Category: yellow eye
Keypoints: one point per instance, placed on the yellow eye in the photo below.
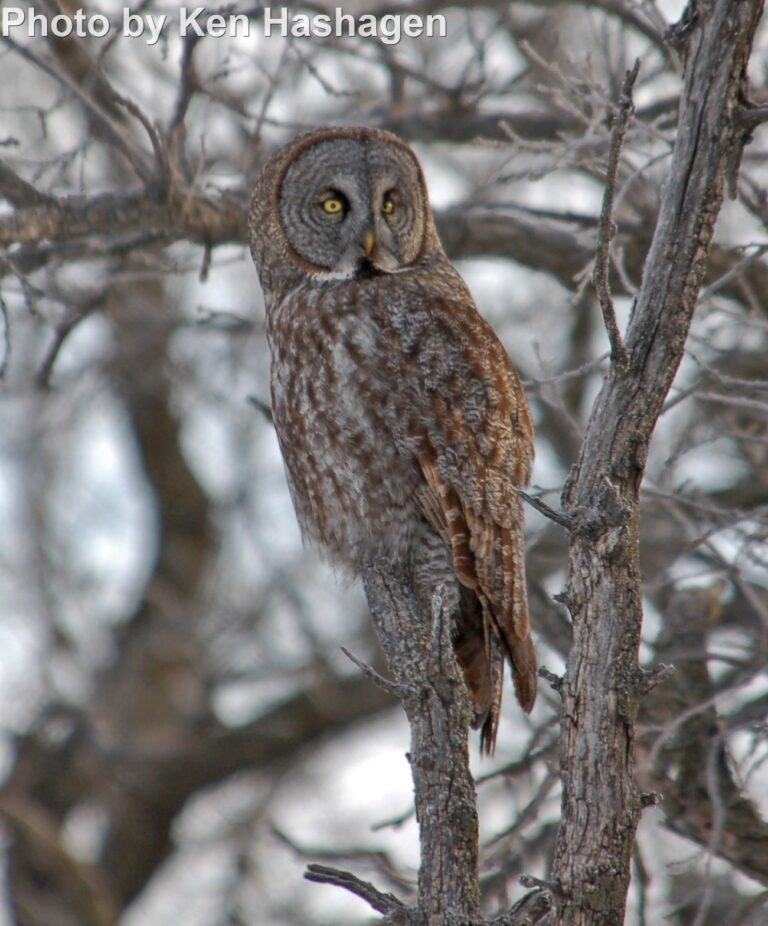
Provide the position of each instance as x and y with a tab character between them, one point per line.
333	205
388	206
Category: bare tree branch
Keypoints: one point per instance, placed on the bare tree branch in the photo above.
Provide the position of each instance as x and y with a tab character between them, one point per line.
607	229
420	653
387	904
118	727
592	860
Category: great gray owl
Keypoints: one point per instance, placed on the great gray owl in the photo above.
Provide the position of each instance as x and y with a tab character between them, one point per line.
402	422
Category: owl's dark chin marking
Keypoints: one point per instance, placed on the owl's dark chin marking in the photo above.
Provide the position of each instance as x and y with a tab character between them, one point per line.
366	269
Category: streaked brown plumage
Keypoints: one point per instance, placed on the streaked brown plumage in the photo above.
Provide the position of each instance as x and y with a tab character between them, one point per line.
403	424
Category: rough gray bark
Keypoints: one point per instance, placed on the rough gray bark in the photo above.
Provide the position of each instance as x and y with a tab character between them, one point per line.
169	193
603	684
72	227
429	684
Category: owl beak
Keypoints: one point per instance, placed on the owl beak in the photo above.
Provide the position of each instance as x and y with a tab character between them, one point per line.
369	242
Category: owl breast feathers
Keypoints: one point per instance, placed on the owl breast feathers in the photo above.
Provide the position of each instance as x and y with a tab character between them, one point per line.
402	422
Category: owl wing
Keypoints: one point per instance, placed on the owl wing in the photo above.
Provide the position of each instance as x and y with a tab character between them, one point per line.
488	557
474	451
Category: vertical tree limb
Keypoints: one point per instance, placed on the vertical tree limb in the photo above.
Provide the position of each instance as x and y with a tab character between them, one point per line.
607	228
421	656
428	682
603	684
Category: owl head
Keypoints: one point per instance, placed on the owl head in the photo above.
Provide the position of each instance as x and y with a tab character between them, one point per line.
338	204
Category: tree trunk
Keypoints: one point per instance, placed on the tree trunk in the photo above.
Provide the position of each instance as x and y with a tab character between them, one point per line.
421	656
604	684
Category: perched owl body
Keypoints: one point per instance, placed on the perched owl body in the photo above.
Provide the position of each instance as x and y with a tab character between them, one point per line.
402	423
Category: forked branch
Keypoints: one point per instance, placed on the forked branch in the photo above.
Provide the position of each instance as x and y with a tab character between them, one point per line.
607	227
603	684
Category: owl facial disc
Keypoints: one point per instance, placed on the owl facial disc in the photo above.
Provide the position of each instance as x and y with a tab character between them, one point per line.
352	207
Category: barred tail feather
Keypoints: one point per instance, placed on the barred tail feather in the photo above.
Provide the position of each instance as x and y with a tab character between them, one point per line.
524	672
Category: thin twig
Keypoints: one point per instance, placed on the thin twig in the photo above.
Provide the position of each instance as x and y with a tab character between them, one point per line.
370	673
394	822
63	331
382	903
576	373
188	83
264	407
555	681
521	766
527	815
558	517
20	193
110	129
157	145
357	855
607	228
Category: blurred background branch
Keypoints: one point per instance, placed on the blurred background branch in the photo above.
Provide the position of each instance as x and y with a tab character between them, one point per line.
172	677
